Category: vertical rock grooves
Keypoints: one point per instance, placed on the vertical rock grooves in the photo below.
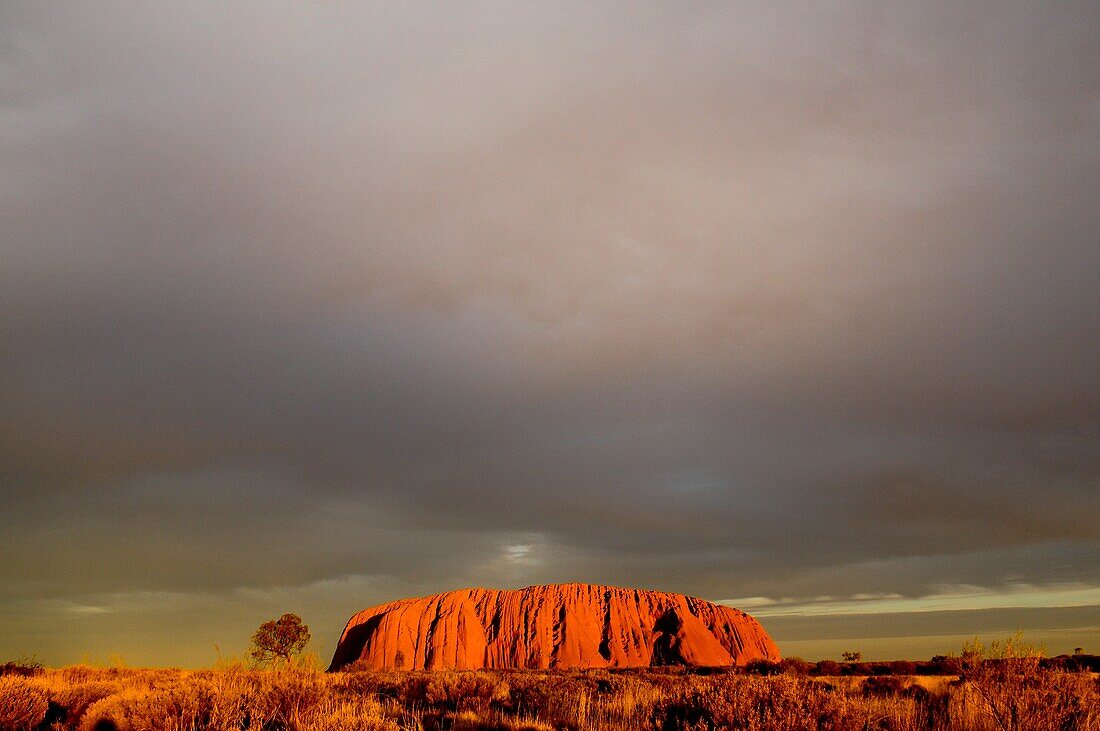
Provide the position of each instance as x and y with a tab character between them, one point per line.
551	626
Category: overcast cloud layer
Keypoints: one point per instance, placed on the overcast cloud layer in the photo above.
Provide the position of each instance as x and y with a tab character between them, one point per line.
307	307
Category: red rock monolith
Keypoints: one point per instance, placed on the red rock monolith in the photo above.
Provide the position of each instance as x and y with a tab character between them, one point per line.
554	626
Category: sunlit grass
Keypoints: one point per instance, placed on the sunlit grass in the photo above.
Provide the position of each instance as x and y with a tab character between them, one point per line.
1001	689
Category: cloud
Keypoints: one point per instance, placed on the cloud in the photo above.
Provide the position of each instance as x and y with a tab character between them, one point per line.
945	598
775	302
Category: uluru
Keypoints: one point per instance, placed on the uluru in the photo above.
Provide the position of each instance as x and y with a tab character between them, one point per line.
551	626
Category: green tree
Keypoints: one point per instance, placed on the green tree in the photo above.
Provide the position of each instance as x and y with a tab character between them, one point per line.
279	639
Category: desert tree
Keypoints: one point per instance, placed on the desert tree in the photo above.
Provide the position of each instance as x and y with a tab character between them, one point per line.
279	639
851	656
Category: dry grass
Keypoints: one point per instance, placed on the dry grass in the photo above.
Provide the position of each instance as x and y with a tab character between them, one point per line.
987	697
22	705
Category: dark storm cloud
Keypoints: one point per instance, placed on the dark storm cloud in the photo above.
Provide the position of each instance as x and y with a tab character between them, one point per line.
736	301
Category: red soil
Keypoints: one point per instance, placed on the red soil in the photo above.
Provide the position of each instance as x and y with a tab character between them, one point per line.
556	626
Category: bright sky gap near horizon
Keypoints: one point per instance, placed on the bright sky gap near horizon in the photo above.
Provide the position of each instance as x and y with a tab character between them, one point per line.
307	307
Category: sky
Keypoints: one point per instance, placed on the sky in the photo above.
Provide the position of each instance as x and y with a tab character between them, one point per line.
309	306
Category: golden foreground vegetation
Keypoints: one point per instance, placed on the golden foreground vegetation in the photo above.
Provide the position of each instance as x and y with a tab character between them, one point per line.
1017	693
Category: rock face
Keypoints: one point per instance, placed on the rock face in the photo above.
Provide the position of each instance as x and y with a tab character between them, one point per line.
556	626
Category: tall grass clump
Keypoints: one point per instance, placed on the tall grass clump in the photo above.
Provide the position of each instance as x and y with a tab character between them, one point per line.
23	705
1006	687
